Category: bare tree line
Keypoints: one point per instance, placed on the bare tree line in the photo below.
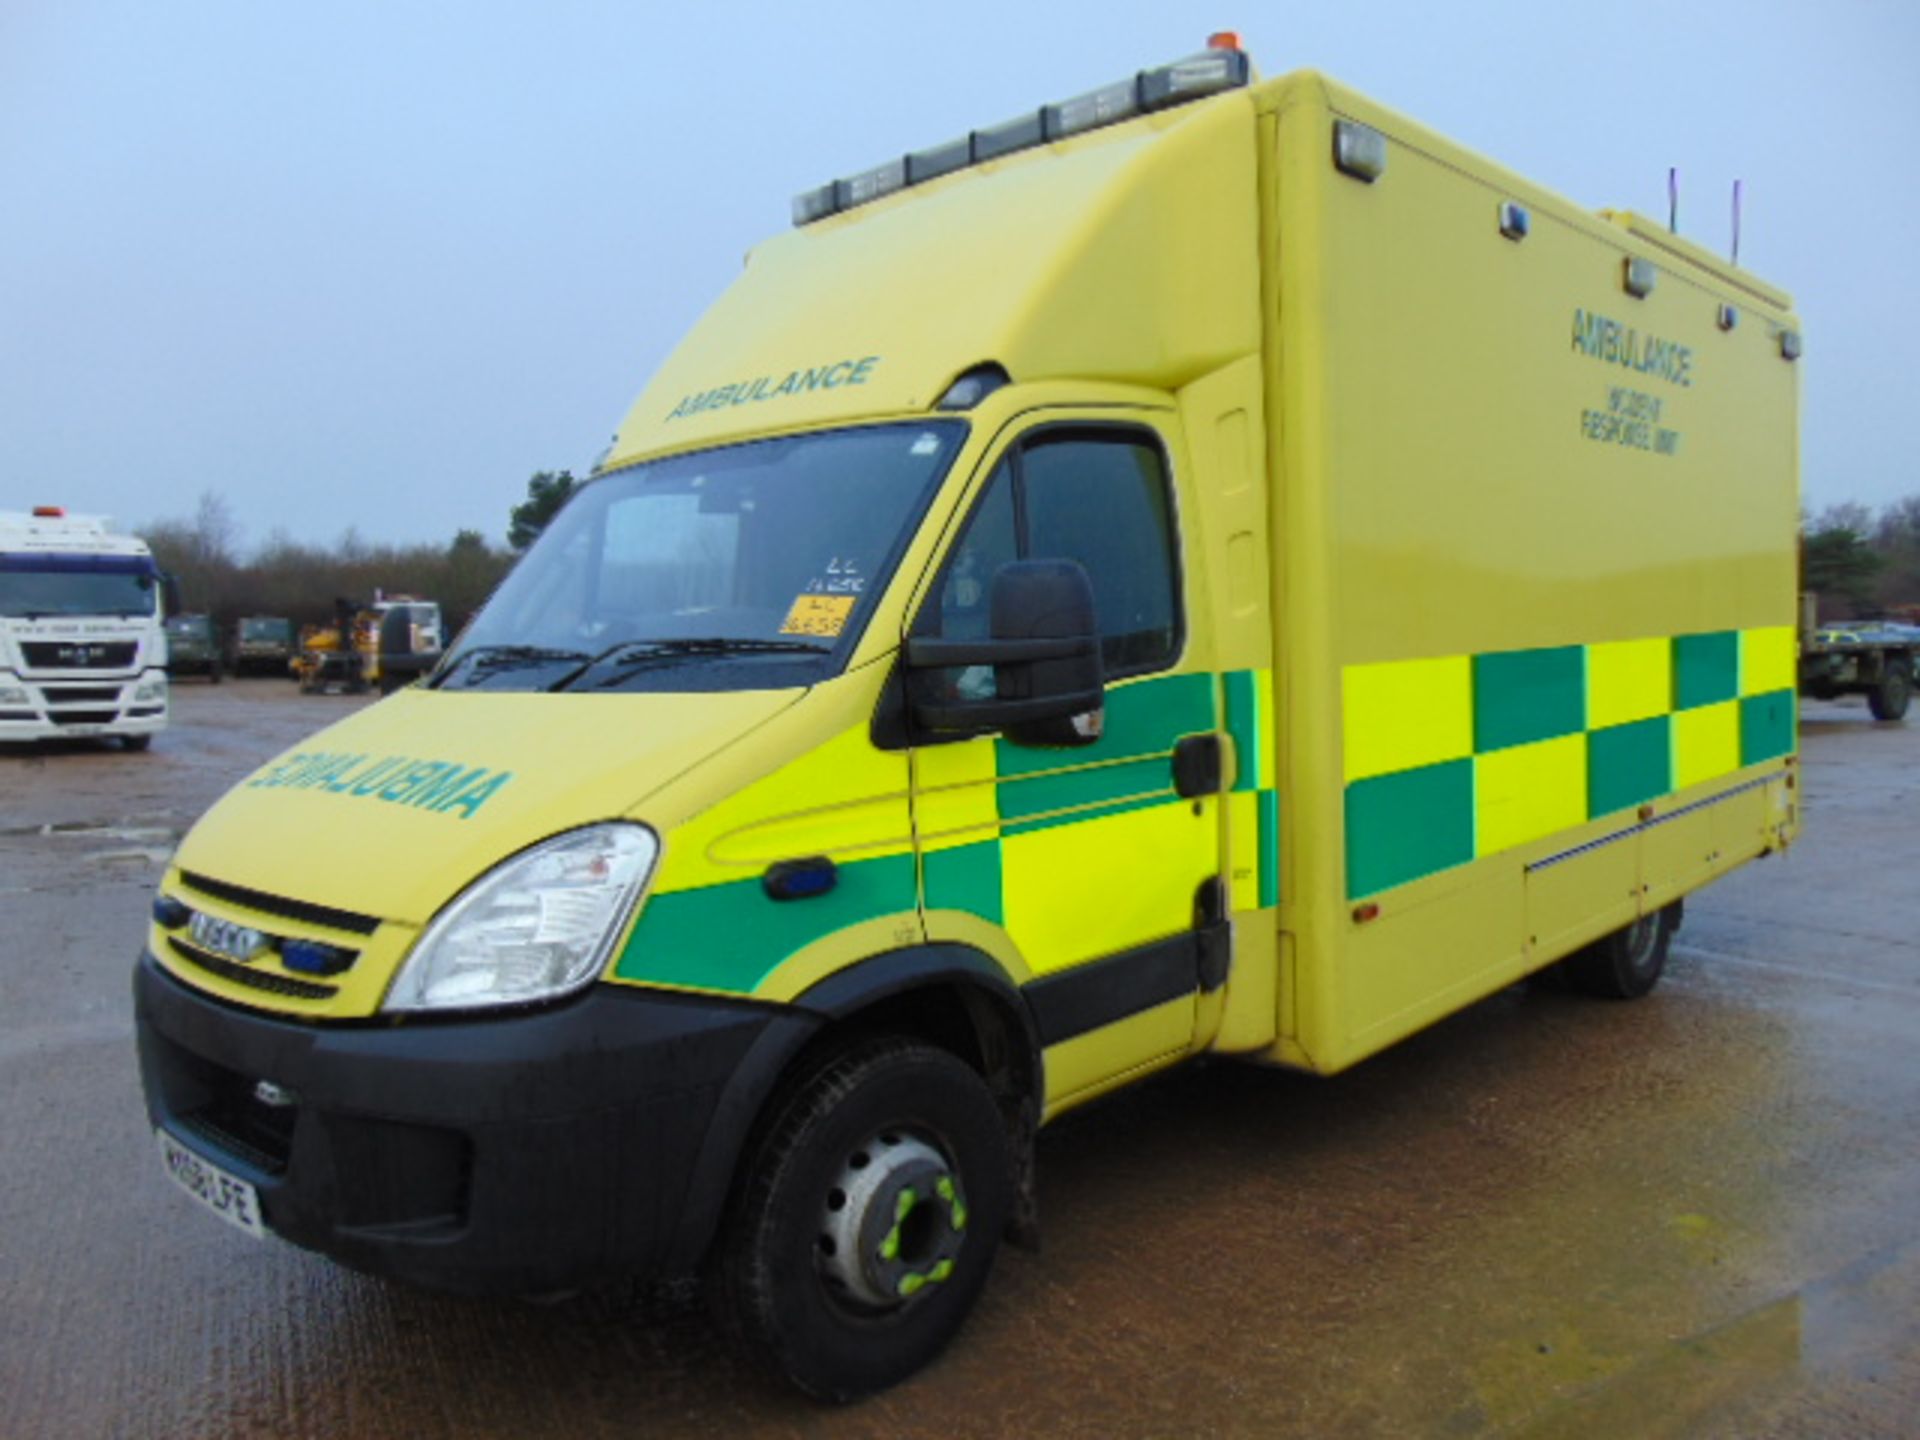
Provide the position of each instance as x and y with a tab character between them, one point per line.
301	579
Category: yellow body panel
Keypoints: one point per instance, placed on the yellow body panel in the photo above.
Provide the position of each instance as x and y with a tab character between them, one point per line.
1523	793
1628	680
1402	714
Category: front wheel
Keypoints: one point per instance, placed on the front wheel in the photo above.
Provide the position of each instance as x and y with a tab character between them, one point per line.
867	1219
1628	963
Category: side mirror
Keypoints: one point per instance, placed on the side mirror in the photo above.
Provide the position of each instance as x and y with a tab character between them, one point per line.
170	603
1048	685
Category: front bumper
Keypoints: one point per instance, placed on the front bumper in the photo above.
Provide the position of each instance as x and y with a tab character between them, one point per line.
80	704
514	1154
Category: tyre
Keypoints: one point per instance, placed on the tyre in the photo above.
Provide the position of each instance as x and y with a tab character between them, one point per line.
1888	700
1626	964
136	742
866	1219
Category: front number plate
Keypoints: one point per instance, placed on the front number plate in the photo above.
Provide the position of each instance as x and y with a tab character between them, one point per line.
228	1196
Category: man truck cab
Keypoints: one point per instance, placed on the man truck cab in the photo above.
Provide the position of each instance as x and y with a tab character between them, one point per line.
82	651
1141	580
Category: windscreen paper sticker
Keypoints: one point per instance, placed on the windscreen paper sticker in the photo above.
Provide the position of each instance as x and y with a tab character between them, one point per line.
822	615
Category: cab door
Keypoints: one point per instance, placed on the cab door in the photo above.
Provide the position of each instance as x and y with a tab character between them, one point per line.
1091	871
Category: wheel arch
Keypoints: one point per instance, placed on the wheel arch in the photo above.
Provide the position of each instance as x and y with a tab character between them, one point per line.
951	996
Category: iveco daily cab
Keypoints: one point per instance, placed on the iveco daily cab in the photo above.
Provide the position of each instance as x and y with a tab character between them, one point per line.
1203	567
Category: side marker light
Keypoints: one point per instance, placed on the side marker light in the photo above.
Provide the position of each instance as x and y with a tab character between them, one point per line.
1359	150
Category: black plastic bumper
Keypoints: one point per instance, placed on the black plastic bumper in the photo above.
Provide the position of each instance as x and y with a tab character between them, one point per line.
516	1154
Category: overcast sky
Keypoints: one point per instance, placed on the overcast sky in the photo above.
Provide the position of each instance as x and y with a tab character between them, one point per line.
373	262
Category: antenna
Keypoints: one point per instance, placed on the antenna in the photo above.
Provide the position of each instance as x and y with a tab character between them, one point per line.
1736	223
1673	199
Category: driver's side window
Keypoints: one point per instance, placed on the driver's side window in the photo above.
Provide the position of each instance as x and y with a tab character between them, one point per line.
1097	496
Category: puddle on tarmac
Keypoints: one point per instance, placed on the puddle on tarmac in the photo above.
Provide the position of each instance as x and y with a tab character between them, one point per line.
1850	1328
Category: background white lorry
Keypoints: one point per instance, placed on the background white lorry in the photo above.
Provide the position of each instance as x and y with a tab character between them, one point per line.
82	651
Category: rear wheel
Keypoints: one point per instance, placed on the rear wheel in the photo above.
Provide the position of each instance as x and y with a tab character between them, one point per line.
1628	963
1888	700
867	1219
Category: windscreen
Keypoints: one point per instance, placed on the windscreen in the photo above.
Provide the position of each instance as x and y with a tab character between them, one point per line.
34	587
744	567
266	629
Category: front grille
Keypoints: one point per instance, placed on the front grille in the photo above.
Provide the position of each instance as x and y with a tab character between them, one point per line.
220	1139
82	717
219	1107
76	655
279	905
265	980
79	694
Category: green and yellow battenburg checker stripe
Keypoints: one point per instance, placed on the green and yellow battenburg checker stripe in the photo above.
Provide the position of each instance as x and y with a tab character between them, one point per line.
1253	804
1002	824
996	823
1452	759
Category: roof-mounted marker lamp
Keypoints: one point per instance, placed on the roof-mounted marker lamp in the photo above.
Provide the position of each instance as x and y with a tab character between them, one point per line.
1359	150
1789	344
1727	317
1514	220
1223	65
1637	277
972	386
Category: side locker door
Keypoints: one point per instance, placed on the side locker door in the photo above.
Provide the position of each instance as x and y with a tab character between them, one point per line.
1084	868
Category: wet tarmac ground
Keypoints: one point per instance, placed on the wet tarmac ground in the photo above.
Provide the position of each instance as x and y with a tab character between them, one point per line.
1698	1214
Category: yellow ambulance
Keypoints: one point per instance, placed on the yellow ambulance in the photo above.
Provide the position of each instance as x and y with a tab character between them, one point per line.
1207	566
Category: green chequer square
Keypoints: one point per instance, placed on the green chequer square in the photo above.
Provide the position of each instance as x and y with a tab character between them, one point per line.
967	878
1766	726
1403	826
1628	765
1520	696
1706	669
1243	720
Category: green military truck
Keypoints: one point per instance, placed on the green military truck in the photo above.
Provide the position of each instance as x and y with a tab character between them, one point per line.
1877	659
263	645
193	647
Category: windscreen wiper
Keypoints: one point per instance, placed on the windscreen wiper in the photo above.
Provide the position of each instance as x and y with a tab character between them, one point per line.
487	658
634	656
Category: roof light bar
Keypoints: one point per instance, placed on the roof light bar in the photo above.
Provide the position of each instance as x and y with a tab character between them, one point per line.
1108	105
938	160
1022	133
1223	67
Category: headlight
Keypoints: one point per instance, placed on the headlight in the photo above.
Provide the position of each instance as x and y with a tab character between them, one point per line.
149	691
14	694
532	928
